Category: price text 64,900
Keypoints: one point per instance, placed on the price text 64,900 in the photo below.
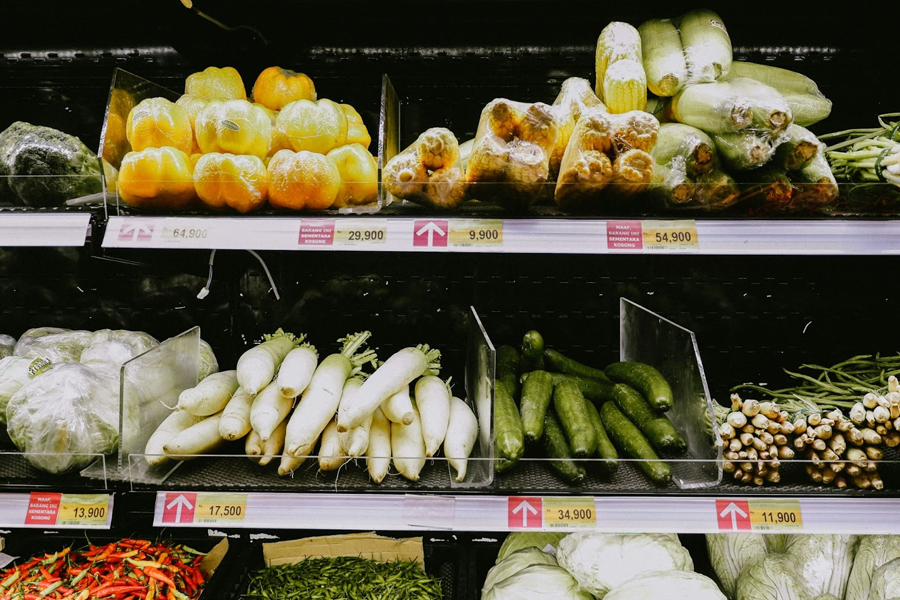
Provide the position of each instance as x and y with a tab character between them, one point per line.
190	234
673	237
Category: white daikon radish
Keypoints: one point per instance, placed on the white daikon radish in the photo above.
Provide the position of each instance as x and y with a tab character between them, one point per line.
462	432
235	421
355	441
268	410
297	370
398	407
175	423
378	454
331	455
210	395
433	402
253	446
397	372
408	447
256	367
200	438
289	464
323	396
273	446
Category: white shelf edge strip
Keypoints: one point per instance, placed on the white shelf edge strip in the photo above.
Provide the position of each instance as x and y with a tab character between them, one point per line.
41	510
43	229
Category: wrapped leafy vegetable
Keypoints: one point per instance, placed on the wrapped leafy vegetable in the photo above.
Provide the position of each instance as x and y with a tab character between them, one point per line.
64	415
731	553
695	148
115	347
772	577
873	552
667	584
886	581
824	561
13	377
517	540
601	562
209	364
515	562
53	344
7	343
538	582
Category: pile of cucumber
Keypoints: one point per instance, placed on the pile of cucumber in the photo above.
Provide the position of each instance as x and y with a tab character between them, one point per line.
545	400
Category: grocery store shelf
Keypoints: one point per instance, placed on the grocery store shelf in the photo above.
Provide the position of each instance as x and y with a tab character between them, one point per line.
56	510
44	229
409	512
507	235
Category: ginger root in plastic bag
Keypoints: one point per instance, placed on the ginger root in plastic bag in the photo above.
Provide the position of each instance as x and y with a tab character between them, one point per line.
428	172
510	159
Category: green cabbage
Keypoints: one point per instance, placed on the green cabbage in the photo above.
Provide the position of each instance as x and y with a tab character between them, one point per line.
824	561
873	551
115	347
730	553
538	582
662	585
602	561
518	540
772	577
515	562
209	364
7	343
53	344
13	377
886	581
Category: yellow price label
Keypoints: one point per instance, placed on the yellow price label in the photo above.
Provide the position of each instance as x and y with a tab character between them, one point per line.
568	513
83	510
476	232
219	508
766	515
670	235
367	232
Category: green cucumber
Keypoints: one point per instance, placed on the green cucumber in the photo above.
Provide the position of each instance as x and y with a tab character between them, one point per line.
508	368
645	379
629	439
571	409
537	390
563	364
593	389
557	448
509	439
658	429
532	351
605	448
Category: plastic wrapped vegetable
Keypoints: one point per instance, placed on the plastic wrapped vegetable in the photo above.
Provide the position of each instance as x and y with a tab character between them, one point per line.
40	166
772	577
696	149
515	562
667	584
815	185
52	344
808	104
7	343
824	561
706	45
886	581
601	562
115	347
64	415
798	149
538	582
209	364
429	171
518	540
510	160
744	150
574	97
873	552
729	554
664	62
14	375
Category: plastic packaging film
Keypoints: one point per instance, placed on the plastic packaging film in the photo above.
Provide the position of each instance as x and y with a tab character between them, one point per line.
429	171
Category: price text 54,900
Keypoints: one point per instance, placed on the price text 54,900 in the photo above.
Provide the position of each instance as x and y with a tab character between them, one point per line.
673	237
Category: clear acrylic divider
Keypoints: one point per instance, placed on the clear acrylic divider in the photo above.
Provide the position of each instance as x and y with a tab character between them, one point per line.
23	470
649	338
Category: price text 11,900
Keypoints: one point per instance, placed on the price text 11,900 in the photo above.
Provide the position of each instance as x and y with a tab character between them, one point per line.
777	517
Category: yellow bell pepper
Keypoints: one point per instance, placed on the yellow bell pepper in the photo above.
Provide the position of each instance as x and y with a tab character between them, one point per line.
275	88
231	180
356	129
158	122
314	126
192	105
359	175
303	180
234	126
156	178
216	84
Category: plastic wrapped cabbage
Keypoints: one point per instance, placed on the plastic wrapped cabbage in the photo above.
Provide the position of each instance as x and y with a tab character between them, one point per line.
7	343
115	347
731	553
824	561
71	409
53	344
538	582
772	577
600	562
873	552
544	540
515	562
886	581
209	364
667	584
13	377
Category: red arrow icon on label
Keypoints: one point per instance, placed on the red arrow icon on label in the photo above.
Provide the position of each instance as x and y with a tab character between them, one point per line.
179	508
430	233
524	512
136	231
733	515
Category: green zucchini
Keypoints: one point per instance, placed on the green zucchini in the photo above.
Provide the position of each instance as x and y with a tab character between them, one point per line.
645	379
509	439
563	364
596	390
537	391
508	368
658	429
605	448
557	448
629	439
532	351
571	408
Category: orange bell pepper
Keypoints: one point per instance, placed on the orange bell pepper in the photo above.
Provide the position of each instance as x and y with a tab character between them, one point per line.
158	122
275	87
156	178
356	129
216	84
303	180
235	181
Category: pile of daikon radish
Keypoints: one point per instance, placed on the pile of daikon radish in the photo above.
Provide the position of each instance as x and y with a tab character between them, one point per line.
284	401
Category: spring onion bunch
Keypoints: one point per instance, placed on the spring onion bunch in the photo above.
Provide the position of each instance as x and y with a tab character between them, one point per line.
867	155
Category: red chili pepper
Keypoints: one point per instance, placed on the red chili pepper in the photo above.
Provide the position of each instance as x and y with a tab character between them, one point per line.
159	576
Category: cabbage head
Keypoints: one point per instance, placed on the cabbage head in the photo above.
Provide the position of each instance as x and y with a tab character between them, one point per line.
515	562
824	561
7	343
872	552
538	582
68	412
522	539
662	585
115	347
209	364
602	561
53	344
886	581
730	553
772	577
13	377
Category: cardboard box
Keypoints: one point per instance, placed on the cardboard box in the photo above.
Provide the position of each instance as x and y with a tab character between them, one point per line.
365	545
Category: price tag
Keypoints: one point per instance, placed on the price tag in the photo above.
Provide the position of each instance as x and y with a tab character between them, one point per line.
568	513
670	235
83	510
775	515
360	232
476	232
175	233
220	508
